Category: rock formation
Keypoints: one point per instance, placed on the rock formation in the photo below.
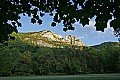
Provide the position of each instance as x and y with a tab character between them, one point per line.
51	39
73	40
50	35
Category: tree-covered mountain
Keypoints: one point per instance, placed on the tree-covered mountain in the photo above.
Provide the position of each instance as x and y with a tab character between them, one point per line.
21	57
106	44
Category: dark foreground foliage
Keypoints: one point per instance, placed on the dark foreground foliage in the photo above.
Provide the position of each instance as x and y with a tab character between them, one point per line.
67	12
20	58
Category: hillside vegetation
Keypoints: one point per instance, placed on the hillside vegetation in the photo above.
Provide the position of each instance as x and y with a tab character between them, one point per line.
49	39
106	44
22	57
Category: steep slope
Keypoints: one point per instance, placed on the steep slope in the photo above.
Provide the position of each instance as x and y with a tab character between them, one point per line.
49	39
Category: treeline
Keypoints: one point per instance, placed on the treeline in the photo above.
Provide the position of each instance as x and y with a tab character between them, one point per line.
20	58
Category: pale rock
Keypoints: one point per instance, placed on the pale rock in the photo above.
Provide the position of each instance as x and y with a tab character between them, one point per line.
73	40
50	35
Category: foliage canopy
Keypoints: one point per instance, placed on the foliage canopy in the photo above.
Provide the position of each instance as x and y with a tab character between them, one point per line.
66	11
23	59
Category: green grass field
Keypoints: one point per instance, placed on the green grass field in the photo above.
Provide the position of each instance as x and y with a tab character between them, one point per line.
67	77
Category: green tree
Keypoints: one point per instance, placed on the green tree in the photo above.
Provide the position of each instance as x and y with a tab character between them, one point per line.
113	62
23	67
93	61
109	59
43	61
8	60
66	11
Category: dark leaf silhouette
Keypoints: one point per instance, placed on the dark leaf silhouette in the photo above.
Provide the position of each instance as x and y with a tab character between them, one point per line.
39	21
66	11
33	20
53	24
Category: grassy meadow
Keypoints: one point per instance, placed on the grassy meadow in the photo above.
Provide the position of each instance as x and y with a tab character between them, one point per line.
67	77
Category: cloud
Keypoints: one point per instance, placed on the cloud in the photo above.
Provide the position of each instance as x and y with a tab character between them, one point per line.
90	36
91	29
81	37
92	23
108	32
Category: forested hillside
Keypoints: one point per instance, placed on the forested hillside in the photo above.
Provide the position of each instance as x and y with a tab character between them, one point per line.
23	58
106	44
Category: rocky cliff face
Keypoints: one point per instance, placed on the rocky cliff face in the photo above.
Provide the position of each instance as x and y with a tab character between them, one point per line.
50	35
73	40
51	39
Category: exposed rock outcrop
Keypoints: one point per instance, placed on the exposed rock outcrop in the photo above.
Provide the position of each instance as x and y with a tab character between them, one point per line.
50	35
73	40
51	39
